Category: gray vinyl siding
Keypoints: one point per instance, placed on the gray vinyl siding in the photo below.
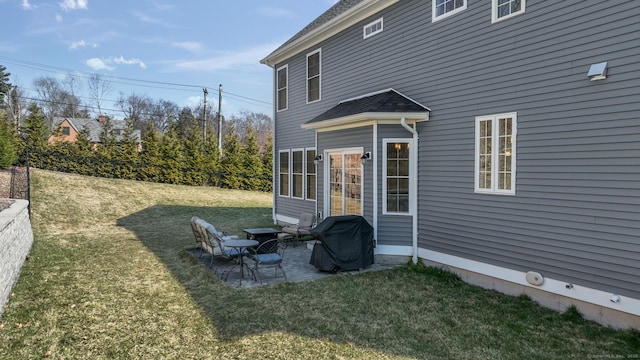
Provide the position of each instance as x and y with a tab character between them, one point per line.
348	138
575	216
575	213
392	229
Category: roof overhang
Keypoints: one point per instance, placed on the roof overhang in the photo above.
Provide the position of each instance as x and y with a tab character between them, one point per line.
364	119
386	106
332	27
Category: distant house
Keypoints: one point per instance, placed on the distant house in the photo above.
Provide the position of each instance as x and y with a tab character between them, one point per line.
69	128
499	139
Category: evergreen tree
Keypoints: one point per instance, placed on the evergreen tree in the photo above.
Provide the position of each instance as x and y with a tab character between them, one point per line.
107	151
8	153
231	161
83	153
172	155
150	158
267	165
5	86
126	152
194	165
36	135
251	163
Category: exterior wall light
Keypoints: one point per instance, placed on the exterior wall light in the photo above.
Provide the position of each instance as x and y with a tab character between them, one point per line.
366	156
598	71
317	159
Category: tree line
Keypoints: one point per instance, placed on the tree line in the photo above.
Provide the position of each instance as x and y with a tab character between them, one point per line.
169	151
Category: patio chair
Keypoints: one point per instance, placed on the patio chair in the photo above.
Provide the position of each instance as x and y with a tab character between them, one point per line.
218	239
202	238
269	254
302	228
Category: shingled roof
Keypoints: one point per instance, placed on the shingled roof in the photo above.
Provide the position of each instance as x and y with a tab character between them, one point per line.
337	9
384	102
344	13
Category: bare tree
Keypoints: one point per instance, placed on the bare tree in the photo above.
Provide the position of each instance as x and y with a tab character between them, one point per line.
72	87
99	89
55	100
135	108
162	113
16	106
262	124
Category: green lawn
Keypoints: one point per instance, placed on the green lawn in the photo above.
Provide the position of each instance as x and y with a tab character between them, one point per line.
108	277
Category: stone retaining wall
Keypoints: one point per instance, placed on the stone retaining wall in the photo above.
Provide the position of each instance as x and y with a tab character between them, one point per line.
16	238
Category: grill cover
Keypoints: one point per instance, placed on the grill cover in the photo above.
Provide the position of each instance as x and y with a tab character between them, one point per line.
345	243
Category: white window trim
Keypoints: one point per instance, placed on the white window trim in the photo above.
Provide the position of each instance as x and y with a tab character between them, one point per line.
288	174
319	52
435	18
364	28
495	154
303	174
494	12
384	176
306	174
278	89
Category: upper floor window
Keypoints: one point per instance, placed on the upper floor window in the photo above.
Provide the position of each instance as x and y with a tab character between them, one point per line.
66	131
313	76
372	29
397	170
496	154
282	80
504	9
445	8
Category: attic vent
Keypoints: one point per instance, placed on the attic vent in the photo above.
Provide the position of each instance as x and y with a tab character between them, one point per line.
372	28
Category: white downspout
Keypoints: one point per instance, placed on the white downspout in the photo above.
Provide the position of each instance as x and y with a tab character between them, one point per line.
414	185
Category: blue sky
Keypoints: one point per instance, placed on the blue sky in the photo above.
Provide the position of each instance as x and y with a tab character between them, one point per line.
144	45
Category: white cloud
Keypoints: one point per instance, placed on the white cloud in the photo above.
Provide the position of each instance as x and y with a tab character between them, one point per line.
68	5
121	60
25	5
107	64
275	12
81	44
188	45
99	64
58	18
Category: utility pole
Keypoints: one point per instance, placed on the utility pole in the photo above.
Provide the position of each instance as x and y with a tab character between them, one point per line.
220	119
204	117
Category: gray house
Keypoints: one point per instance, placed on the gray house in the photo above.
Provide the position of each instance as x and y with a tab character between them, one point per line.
499	139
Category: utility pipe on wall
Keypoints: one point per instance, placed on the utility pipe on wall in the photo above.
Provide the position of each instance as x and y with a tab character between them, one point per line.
414	185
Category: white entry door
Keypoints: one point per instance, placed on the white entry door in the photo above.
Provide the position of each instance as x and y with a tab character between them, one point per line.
344	190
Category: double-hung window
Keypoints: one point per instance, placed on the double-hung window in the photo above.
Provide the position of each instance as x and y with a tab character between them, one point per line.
504	9
313	75
495	162
284	173
397	176
66	131
445	8
297	174
311	174
282	91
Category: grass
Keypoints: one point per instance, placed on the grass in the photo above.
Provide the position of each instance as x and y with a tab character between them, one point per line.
108	277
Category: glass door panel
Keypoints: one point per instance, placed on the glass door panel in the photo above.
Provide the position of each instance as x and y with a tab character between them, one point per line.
345	184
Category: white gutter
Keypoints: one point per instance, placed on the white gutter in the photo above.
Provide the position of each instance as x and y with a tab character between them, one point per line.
414	185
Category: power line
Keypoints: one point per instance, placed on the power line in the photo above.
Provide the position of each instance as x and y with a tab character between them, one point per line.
125	80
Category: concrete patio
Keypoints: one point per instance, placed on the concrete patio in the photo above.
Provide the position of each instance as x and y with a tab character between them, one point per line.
295	263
